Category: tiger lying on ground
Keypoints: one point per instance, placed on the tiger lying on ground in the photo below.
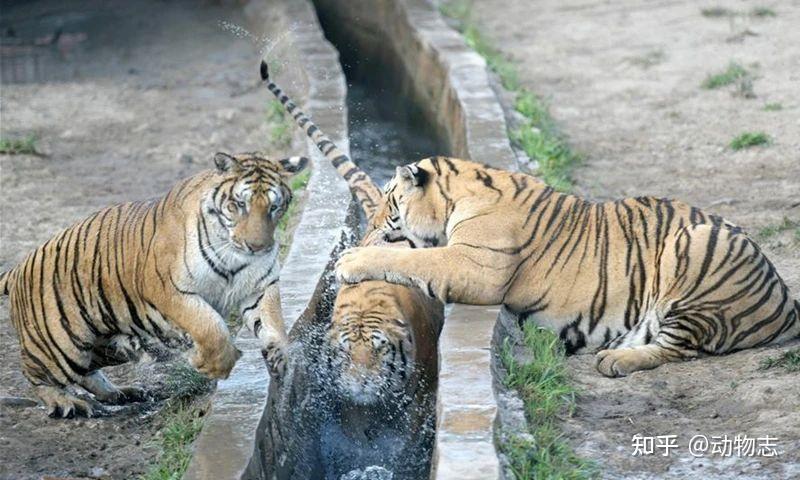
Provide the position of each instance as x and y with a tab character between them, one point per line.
382	336
647	280
153	269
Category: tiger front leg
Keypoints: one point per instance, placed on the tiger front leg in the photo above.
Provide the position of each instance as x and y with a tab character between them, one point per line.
456	273
215	353
264	318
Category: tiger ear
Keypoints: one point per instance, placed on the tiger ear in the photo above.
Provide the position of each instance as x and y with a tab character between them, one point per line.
293	164
224	162
412	175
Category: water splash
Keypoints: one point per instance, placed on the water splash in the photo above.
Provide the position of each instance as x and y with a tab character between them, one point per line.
264	43
370	473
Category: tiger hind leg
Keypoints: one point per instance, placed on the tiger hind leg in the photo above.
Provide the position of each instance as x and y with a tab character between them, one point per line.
673	343
105	391
61	404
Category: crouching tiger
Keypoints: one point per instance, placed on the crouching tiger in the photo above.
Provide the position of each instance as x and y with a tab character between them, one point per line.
646	280
154	269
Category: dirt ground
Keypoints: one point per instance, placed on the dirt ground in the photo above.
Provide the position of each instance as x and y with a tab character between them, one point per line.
147	91
623	81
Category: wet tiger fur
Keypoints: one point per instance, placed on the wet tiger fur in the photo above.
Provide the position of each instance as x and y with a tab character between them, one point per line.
646	280
382	337
154	269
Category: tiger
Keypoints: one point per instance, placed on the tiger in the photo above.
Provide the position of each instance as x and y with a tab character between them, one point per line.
160	269
382	338
643	280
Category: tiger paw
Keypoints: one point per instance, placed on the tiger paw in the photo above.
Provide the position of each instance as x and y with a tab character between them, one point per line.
217	364
356	265
619	362
276	359
60	404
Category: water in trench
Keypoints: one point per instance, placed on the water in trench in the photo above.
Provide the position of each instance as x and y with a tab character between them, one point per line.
386	129
315	431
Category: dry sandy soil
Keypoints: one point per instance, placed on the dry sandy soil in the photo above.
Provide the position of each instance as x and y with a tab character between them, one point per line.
623	81
144	99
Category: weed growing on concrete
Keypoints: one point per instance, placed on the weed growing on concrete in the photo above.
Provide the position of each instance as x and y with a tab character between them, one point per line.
546	390
18	146
538	136
749	139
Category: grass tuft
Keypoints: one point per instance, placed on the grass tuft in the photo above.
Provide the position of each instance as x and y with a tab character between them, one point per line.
546	390
749	139
773	107
538	136
18	146
786	225
280	128
763	12
183	424
298	184
716	12
733	73
788	360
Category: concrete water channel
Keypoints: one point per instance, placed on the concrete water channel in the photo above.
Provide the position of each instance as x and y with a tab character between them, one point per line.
412	89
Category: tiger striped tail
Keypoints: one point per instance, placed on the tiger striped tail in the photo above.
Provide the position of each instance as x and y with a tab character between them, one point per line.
361	185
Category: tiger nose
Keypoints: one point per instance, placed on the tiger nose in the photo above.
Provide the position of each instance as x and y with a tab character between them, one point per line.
258	246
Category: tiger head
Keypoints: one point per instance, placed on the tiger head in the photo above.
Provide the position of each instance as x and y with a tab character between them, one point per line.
415	207
372	351
251	197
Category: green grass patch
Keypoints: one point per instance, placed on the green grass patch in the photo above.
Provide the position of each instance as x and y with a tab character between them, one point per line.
786	224
717	12
183	420
749	139
733	73
543	383
538	136
18	146
788	360
183	424
773	107
285	229
763	12
280	128
547	392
